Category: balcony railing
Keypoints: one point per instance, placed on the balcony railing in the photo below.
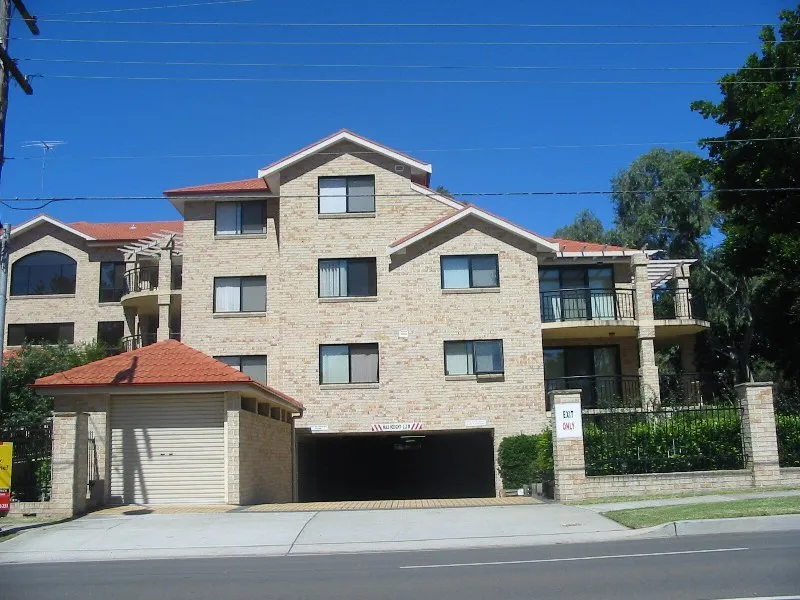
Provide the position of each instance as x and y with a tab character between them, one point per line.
600	391
585	304
678	304
141	279
696	389
134	342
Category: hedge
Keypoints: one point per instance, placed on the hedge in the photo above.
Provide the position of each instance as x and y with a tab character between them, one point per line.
788	427
526	459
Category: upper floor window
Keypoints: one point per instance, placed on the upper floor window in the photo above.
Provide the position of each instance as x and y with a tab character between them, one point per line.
240	294
43	273
582	292
472	271
254	367
112	281
473	357
347	194
238	218
348	363
40	333
347	277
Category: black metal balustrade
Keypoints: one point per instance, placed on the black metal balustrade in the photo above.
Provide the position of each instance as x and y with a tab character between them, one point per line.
584	304
141	279
600	391
678	304
133	342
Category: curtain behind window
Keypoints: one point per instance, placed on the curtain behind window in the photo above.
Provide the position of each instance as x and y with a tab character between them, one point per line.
227	294
332	195
335	364
364	364
455	272
332	278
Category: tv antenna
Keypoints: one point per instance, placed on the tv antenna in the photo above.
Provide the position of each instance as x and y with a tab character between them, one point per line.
46	146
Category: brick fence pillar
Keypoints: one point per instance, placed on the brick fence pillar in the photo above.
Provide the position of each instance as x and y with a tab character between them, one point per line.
568	461
758	432
70	462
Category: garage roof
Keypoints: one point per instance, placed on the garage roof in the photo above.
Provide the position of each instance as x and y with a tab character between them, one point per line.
168	363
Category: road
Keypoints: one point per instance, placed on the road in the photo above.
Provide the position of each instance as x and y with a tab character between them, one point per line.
695	568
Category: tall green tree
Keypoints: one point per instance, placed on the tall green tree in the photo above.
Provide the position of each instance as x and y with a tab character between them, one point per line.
587	227
761	216
662	201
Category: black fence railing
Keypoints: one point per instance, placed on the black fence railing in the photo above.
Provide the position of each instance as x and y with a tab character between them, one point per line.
141	279
696	389
678	304
31	462
600	391
668	440
587	303
133	342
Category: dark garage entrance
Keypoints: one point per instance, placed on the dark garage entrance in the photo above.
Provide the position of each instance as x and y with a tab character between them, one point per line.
415	465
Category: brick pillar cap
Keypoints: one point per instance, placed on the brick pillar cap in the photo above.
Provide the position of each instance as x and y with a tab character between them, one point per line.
555	393
754	384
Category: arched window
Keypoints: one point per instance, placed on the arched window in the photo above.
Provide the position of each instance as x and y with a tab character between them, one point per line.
43	273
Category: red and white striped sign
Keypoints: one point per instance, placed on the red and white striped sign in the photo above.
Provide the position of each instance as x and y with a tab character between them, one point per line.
397	427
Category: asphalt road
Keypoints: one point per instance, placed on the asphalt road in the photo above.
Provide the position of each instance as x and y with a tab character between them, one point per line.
700	567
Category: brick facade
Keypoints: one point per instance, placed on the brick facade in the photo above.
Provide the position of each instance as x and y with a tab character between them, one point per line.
265	459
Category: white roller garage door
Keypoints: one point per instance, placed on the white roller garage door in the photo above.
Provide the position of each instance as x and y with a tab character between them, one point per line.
168	449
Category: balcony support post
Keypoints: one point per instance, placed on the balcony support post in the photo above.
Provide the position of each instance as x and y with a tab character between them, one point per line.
683	297
646	333
164	288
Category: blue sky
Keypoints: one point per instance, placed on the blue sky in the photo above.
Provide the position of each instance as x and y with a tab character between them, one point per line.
456	126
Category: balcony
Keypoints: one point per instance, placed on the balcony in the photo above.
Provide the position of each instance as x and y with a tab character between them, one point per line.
600	391
142	287
141	279
678	312
134	342
588	312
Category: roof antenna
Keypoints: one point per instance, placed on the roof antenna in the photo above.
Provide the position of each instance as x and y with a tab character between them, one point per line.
46	146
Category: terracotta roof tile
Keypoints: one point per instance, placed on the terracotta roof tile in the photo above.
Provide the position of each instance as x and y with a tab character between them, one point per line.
165	363
125	231
256	184
577	246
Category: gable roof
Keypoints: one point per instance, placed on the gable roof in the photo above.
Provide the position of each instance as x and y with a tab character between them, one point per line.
102	232
167	363
470	210
340	136
256	184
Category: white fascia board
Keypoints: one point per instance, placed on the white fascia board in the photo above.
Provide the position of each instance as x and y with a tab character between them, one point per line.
421	189
45	219
474	211
339	137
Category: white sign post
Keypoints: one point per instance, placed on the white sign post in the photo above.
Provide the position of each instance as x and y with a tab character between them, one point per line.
569	424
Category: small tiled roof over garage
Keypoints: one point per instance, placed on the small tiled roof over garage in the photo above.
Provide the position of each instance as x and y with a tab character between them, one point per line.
168	363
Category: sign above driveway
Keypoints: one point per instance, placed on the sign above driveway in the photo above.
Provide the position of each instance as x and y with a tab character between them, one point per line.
397	427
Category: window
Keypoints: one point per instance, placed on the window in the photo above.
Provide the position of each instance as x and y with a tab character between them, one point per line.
43	273
112	281
347	277
254	367
110	333
237	218
240	294
477	357
577	293
347	194
348	363
41	333
595	370
475	271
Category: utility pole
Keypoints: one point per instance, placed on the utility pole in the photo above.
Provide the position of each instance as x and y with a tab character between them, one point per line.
9	67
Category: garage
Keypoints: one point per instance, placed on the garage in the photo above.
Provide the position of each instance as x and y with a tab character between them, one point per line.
168	449
413	465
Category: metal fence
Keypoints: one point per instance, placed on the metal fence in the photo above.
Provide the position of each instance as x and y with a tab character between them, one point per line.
669	440
678	304
600	391
787	424
696	389
31	464
587	303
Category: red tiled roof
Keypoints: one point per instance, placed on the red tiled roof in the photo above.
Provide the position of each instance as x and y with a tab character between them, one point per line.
125	231
576	246
165	363
256	184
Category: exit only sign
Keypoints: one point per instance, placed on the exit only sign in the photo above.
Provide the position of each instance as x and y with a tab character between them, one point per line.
569	424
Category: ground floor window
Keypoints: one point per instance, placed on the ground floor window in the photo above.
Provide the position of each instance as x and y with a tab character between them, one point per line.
473	357
41	333
595	370
111	333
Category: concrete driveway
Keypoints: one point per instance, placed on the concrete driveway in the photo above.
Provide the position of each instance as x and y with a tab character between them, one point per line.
133	536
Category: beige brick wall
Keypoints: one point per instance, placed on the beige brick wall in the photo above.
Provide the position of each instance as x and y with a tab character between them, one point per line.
265	459
612	486
83	308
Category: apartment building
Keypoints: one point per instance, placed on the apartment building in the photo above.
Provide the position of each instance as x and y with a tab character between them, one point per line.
417	331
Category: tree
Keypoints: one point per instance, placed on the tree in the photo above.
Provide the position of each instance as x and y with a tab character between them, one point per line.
587	228
762	101
22	407
442	190
662	201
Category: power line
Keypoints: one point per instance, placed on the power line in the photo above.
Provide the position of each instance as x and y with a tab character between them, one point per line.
413	25
48	201
427	150
141	8
403	43
384	80
391	66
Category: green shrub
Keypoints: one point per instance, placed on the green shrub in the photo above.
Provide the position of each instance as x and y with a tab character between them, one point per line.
525	459
665	445
788	427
